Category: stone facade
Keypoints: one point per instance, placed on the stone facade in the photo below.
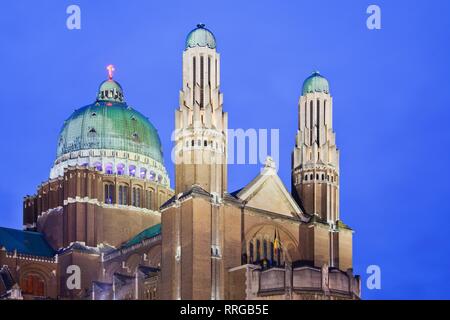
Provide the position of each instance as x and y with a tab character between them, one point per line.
132	237
74	207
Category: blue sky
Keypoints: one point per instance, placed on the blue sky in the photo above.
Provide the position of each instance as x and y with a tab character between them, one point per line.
390	88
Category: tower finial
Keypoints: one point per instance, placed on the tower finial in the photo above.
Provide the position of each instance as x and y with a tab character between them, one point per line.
201	25
111	70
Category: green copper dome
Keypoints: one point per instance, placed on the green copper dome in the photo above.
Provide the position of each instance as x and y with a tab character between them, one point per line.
111	124
200	37
316	83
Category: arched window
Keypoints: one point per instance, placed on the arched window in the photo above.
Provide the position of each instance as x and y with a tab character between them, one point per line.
143	173
136	199
258	250
109	168
271	255
98	166
123	195
132	170
192	143
251	250
265	249
323	176
152	175
120	169
109	193
148	199
306	177
311	177
33	284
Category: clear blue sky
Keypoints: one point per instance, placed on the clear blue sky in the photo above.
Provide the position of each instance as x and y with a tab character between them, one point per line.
390	87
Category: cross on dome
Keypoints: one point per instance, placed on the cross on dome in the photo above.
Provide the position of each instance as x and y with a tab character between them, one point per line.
111	70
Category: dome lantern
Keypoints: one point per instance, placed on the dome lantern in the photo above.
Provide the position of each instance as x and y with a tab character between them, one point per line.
110	90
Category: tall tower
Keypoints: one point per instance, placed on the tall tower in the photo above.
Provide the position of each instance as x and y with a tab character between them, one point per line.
193	223
315	160
200	122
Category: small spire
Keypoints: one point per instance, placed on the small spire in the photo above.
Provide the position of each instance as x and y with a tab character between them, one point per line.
111	70
201	25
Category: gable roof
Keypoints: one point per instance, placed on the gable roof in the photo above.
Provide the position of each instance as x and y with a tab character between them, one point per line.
25	242
267	192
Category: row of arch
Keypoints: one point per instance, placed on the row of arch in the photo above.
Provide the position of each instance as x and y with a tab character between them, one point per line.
131	171
203	143
320	177
265	253
135	196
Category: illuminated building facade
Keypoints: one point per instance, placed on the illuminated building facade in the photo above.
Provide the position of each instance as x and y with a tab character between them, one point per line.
109	212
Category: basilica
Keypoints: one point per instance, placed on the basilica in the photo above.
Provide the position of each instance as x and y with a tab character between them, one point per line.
107	225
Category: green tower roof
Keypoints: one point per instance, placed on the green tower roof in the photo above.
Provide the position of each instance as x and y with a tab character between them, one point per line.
316	83
200	37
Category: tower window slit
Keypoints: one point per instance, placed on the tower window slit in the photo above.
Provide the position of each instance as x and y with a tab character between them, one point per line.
318	122
310	122
209	71
194	79
202	84
304	118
